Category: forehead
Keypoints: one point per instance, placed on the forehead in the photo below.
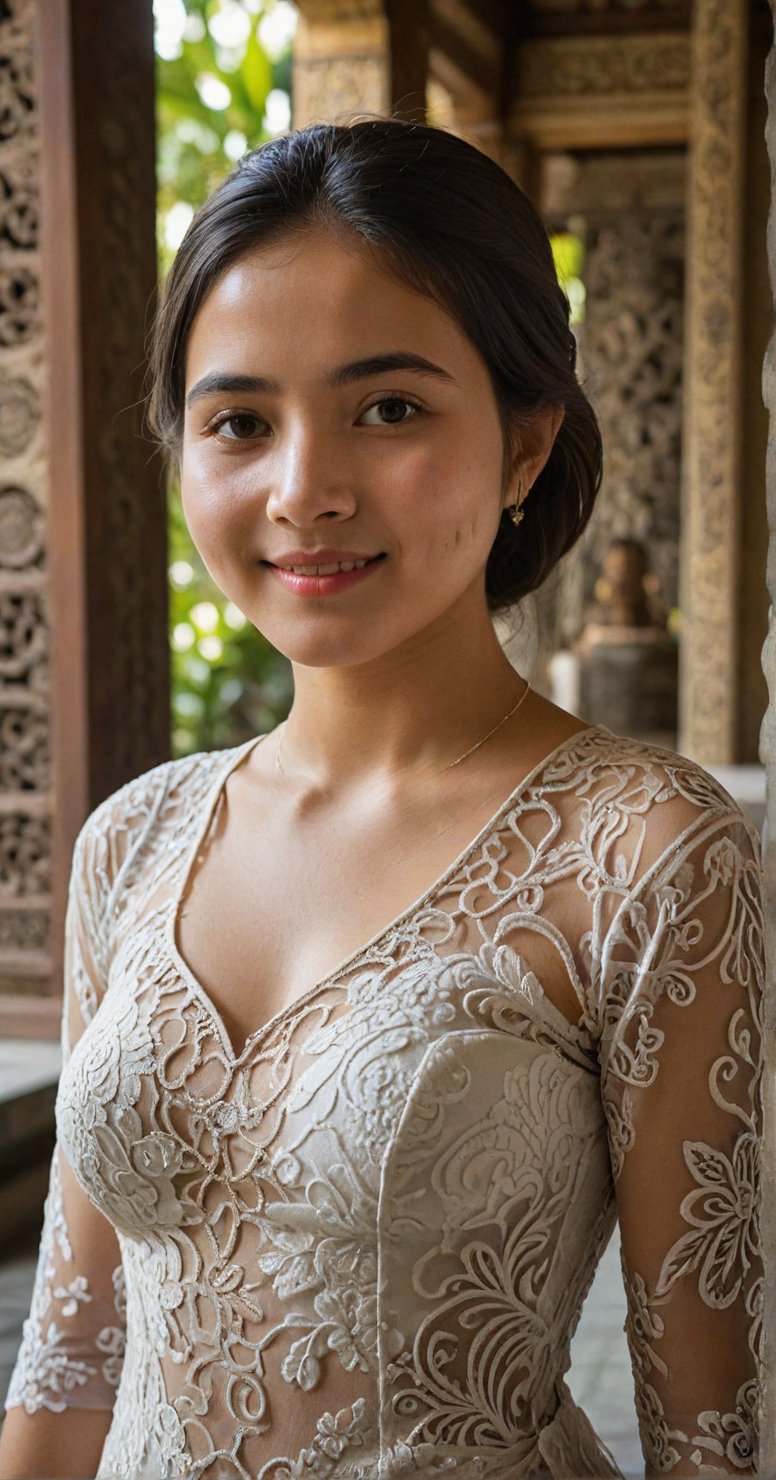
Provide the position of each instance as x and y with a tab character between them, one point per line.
316	297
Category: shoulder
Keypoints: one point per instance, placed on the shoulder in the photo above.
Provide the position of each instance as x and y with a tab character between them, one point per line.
654	776
141	826
655	806
641	808
678	885
143	807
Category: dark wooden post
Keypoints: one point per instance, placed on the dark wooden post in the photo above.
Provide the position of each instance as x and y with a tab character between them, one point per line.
768	755
410	36
93	705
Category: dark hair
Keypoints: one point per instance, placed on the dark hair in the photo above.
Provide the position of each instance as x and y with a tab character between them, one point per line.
451	224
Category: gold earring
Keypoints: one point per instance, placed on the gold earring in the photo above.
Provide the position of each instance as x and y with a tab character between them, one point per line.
516	511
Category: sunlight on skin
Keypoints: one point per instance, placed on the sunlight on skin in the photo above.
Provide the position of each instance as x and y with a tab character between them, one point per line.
67	1445
314	464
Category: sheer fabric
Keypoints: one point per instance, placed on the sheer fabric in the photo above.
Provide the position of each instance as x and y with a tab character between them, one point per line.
361	1246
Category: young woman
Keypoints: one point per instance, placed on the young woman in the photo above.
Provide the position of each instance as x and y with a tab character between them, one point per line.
365	1057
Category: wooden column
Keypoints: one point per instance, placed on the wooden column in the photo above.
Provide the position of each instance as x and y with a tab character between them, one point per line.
752	624
84	688
711	431
25	741
410	39
342	61
768	755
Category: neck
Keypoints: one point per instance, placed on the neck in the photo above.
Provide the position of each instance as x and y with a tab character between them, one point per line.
414	709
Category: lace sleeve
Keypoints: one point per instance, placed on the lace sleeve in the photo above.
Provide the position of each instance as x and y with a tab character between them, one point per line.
681	980
73	1339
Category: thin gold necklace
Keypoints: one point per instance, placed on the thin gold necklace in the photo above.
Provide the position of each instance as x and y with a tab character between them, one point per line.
457	762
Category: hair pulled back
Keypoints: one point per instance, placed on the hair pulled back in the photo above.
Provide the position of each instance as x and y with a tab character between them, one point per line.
450	223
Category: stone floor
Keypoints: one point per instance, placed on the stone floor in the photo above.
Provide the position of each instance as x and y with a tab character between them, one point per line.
600	1377
17	1270
27	1064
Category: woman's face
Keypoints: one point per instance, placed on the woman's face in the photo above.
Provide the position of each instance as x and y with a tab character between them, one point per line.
334	415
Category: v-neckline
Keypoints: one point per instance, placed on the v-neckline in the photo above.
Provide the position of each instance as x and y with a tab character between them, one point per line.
211	801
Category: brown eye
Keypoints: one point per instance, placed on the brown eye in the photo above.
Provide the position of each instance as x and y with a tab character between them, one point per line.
391	411
239	427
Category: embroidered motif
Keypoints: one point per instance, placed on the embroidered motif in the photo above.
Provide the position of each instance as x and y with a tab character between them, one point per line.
361	1247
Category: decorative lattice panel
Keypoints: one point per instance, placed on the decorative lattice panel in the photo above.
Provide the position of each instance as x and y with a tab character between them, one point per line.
25	784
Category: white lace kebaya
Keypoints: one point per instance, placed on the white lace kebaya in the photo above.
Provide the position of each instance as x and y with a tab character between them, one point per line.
360	1247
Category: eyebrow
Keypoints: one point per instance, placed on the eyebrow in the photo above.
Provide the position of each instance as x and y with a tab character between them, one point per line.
381	364
217	383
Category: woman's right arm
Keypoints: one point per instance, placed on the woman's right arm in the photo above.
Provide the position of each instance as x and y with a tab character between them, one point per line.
62	1444
64	1383
63	1386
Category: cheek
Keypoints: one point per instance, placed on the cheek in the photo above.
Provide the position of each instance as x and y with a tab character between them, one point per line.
458	499
216	509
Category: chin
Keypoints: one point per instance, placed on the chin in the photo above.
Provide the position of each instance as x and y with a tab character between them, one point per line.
318	644
319	655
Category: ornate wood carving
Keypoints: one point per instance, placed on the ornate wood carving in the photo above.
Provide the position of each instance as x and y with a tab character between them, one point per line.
341	60
607	7
753	601
601	91
632	347
630	212
84	688
712	420
767	1463
25	779
578	15
333	12
640	64
123	503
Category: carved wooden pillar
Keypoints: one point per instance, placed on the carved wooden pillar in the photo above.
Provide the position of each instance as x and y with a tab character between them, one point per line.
768	754
711	432
25	872
410	39
342	60
84	689
752	591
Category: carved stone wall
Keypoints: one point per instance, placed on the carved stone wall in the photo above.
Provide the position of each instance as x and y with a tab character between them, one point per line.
629	210
25	781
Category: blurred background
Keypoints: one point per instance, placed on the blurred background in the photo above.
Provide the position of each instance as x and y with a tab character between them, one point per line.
637	128
223	86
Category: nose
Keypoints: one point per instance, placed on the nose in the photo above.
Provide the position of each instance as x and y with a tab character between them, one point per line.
310	480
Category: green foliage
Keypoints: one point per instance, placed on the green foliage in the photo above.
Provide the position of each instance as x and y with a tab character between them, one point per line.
211	98
568	253
228	682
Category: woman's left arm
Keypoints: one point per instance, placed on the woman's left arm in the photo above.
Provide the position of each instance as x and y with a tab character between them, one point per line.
681	985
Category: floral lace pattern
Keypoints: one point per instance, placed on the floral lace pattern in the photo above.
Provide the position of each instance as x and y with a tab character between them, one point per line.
360	1247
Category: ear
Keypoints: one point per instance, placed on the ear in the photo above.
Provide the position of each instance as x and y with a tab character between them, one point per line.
533	444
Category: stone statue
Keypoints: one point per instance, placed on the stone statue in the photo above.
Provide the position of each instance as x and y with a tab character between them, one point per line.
627	591
628	658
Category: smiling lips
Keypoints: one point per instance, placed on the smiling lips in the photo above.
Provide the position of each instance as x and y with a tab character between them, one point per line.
323	555
326	570
322	572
